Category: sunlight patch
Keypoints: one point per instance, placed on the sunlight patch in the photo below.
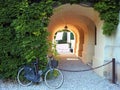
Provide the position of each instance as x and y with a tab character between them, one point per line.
72	59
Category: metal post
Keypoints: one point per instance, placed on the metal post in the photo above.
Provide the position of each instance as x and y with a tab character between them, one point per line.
113	71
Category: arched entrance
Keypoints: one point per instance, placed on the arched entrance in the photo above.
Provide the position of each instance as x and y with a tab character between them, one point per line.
82	22
65	42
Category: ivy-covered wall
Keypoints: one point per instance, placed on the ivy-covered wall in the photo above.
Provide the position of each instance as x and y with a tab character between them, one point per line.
23	34
108	9
23	29
109	12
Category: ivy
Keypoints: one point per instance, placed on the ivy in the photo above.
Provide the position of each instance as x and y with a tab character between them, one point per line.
23	34
23	29
109	12
108	9
109	28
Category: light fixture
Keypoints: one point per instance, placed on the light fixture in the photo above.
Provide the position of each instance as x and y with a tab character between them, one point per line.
65	27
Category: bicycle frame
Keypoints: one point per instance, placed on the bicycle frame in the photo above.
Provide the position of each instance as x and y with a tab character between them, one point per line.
48	64
36	77
36	66
27	75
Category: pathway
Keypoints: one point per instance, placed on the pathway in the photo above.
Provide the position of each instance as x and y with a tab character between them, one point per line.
88	80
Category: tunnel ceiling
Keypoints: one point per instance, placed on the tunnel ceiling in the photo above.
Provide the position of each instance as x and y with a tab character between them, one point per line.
70	15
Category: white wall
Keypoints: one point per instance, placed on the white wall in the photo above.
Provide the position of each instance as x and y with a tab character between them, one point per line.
116	49
112	47
107	47
112	50
98	58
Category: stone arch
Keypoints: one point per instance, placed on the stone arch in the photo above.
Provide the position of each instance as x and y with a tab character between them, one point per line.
82	22
71	28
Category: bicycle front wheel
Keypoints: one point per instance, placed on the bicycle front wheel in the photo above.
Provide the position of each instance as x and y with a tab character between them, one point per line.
22	80
54	78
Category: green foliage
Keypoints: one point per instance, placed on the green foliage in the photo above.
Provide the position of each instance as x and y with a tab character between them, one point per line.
52	49
108	28
23	30
23	34
71	36
75	1
109	12
108	9
64	38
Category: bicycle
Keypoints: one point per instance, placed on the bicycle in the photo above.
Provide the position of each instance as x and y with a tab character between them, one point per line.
52	76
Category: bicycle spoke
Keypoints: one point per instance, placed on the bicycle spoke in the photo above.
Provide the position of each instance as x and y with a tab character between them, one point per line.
53	78
22	79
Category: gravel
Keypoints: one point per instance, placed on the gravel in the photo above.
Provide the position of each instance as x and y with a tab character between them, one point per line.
88	80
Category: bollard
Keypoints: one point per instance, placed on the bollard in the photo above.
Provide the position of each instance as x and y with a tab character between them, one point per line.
113	71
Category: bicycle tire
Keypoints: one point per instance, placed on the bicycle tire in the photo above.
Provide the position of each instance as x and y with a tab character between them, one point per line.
54	78
21	78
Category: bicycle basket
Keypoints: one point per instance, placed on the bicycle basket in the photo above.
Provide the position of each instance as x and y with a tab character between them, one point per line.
54	63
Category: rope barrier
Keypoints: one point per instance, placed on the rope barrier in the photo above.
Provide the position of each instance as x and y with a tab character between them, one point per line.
113	70
86	69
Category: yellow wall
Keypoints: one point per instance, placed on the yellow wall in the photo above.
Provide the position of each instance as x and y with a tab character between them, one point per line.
81	21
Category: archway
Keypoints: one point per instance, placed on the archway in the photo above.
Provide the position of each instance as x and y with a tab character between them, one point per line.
82	22
64	40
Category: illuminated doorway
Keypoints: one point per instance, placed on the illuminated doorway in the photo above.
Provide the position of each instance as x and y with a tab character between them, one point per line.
65	41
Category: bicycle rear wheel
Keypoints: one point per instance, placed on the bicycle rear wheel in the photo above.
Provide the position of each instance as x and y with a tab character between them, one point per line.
54	78
22	80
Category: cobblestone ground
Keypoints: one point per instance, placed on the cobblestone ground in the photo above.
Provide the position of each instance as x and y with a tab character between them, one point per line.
88	80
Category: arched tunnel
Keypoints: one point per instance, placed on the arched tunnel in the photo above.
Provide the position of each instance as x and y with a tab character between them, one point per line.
81	21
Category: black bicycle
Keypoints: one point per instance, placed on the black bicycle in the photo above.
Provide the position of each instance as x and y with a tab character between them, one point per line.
52	76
